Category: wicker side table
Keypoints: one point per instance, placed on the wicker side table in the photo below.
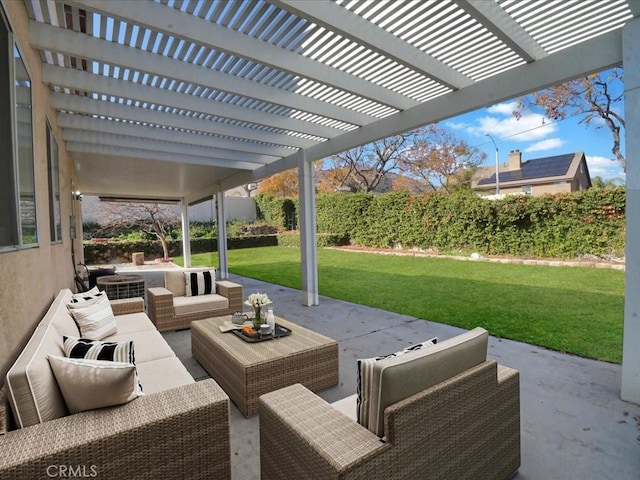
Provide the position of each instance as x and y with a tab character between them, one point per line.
122	286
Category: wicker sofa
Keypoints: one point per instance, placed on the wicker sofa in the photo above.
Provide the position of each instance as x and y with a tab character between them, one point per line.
179	428
463	426
171	309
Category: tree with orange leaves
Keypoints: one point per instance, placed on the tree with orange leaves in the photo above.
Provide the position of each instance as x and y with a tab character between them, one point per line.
283	184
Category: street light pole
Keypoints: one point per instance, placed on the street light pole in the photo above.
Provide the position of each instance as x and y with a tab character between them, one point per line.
497	164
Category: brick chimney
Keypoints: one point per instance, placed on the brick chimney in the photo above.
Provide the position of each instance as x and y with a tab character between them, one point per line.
515	160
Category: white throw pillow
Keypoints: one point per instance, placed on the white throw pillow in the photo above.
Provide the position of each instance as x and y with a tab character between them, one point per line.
200	283
96	321
89	384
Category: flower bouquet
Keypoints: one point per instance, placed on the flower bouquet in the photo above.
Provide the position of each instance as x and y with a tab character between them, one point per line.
257	301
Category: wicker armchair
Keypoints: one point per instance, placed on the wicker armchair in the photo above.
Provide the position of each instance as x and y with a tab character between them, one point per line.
161	306
465	427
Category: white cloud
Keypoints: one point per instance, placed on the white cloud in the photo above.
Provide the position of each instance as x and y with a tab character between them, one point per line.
457	125
502	124
548	144
506	108
604	167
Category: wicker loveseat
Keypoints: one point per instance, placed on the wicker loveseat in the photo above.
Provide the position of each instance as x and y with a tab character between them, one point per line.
171	309
465	426
179	428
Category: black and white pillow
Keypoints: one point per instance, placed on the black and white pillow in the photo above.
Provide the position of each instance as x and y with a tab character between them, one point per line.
366	388
84	299
95	350
200	283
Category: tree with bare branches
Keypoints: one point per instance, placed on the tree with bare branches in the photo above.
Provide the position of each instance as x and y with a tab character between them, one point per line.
441	159
594	97
363	168
151	218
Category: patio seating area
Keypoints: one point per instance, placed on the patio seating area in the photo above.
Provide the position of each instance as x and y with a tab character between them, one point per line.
573	423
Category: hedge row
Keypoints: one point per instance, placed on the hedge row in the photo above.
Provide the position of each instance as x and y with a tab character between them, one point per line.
96	253
563	225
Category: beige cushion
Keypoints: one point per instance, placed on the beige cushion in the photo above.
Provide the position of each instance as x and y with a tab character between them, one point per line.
31	386
163	374
174	280
149	345
90	384
348	406
397	378
368	384
96	321
201	303
133	322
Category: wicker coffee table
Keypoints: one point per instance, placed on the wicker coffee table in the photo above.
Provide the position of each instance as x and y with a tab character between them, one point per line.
247	370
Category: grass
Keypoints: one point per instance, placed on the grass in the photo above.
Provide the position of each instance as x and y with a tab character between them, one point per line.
568	309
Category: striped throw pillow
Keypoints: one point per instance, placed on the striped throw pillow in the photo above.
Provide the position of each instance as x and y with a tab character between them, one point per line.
95	350
200	283
368	388
96	321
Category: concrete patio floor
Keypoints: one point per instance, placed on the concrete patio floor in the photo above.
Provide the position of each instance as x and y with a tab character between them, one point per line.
574	425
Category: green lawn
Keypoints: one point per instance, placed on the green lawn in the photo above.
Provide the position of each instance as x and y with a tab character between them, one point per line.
569	309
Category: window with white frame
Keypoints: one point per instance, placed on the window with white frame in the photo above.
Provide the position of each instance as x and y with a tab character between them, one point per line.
526	189
55	218
18	222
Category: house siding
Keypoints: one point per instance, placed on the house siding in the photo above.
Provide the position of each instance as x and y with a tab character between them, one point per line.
31	278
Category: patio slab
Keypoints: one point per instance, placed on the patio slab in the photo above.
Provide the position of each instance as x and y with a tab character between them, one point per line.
574	424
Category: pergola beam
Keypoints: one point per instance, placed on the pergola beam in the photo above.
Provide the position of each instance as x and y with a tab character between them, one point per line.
92	83
103	125
78	104
74	44
500	24
141	143
584	58
81	147
172	22
349	25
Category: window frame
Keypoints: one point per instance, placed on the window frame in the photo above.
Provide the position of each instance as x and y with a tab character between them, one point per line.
53	173
13	161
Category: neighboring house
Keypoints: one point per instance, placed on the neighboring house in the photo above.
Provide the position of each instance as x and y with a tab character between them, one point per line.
558	174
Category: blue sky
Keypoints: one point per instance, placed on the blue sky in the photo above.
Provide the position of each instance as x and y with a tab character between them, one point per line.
537	139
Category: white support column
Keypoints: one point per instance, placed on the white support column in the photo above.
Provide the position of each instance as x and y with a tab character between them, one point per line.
186	234
631	343
308	239
223	264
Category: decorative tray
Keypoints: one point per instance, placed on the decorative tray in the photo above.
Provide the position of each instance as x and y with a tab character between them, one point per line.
280	332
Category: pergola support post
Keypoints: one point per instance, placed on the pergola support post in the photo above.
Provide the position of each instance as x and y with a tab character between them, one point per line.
223	265
630	390
308	242
186	234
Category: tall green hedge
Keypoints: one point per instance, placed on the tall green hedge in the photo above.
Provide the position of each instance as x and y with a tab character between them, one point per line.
562	225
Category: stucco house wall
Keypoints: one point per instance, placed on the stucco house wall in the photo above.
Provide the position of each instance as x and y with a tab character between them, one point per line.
31	277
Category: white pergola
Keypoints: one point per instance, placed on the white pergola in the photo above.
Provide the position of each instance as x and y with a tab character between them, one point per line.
183	99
